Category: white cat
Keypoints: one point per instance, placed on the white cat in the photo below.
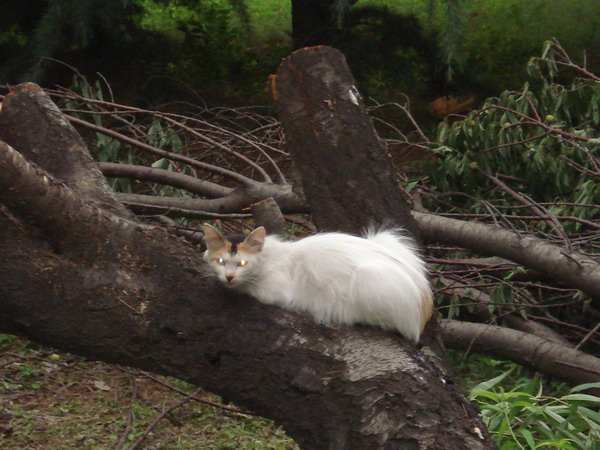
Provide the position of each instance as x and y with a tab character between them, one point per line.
337	278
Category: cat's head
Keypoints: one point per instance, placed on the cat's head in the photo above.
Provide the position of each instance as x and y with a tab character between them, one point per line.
232	257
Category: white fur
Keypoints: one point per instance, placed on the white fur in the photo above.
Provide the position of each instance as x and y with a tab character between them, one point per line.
339	278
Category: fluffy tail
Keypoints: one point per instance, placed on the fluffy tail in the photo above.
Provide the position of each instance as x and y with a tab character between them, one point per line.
398	244
401	286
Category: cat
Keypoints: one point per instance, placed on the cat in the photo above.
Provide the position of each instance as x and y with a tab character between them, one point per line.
338	278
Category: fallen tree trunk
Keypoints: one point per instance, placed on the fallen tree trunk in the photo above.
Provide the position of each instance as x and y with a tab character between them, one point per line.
85	277
229	202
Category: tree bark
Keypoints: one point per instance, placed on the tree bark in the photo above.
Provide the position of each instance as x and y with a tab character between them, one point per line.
528	350
570	267
46	139
79	275
348	179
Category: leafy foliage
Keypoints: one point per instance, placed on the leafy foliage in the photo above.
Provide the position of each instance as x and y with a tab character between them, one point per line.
543	138
528	161
524	417
207	43
523	411
214	46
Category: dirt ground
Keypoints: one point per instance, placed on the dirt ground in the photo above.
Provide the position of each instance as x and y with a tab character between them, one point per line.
52	400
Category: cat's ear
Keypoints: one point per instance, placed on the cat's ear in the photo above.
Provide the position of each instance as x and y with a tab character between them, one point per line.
254	241
214	240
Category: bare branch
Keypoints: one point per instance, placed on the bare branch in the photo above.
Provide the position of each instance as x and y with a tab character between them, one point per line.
567	62
552	359
166	177
178	121
233	202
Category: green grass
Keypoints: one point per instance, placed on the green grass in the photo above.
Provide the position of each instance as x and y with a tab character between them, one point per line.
270	19
59	401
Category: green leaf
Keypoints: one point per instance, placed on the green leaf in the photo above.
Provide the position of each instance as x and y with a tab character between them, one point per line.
411	185
486	385
582	397
528	437
159	163
585	386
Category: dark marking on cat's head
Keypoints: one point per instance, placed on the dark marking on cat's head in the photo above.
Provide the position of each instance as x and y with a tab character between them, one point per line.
235	240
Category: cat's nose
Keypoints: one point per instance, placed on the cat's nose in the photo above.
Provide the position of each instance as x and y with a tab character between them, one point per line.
229	277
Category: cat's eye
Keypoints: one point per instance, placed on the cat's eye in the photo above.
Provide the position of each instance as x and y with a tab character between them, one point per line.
220	261
242	263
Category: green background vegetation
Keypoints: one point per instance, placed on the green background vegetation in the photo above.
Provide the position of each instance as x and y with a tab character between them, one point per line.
224	49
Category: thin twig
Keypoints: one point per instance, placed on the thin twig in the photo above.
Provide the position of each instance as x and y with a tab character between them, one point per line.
130	414
537	209
164	412
588	336
192	396
569	63
165	154
512	144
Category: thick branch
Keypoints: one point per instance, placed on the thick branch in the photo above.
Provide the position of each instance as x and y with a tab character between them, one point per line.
66	218
531	351
32	124
233	202
569	267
